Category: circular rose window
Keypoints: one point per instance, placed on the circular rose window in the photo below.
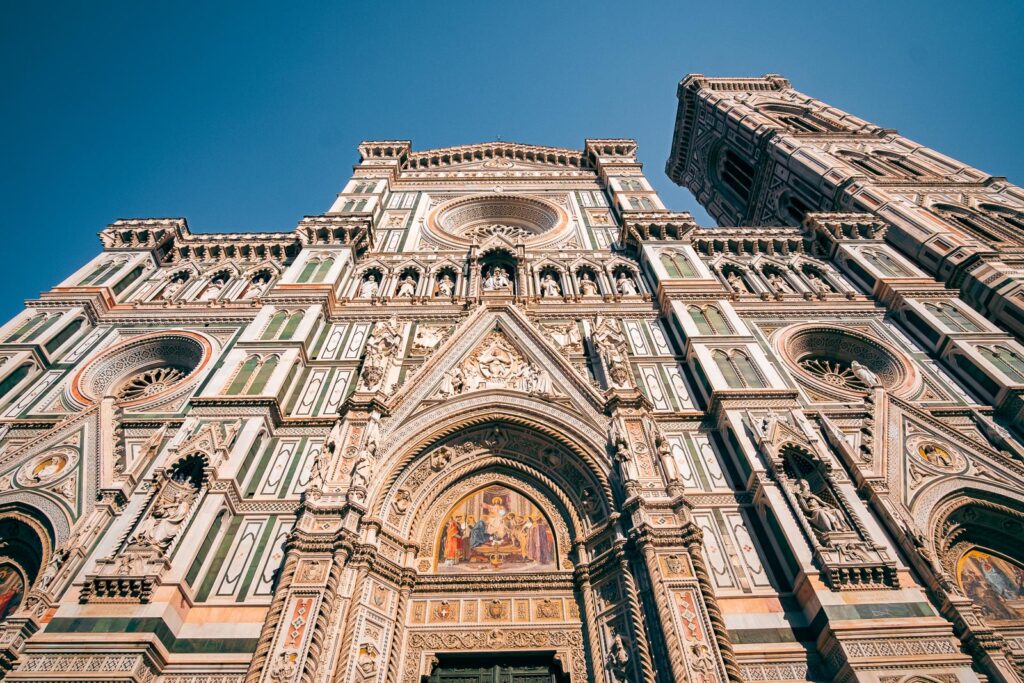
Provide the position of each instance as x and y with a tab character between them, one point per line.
843	361
465	220
139	370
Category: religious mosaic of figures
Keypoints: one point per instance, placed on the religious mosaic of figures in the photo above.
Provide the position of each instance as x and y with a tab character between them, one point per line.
495	530
995	584
12	589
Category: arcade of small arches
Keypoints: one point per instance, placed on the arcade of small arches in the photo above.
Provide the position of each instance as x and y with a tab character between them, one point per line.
498	272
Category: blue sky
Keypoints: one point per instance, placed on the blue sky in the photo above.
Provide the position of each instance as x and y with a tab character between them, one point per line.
246	116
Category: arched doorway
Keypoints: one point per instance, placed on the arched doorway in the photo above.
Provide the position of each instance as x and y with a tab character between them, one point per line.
498	514
25	548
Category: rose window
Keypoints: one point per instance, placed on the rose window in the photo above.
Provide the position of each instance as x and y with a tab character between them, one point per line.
834	373
149	383
489	230
460	221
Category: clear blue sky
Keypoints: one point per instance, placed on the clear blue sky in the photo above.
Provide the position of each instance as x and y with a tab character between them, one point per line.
246	116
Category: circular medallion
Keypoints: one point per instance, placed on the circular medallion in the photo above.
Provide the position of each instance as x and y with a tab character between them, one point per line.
47	467
935	454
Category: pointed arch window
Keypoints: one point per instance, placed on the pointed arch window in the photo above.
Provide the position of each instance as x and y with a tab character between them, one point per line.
737	174
316	269
737	368
69	330
709	320
13	379
26	327
677	265
884	263
952	318
101	273
1006	216
252	376
1006	360
40	329
641	203
354	205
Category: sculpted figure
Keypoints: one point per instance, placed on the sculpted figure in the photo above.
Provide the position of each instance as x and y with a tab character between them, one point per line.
361	469
625	285
213	290
778	283
369	288
864	374
822	516
165	518
407	287
737	283
318	472
52	567
818	285
587	286
258	287
453	383
618	658
549	287
497	280
445	286
171	289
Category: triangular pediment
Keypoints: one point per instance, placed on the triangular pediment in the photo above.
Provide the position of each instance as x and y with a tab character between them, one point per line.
932	450
496	349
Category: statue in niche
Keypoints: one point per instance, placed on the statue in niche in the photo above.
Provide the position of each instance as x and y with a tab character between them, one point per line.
360	475
173	287
736	282
369	288
823	518
258	287
622	455
865	375
549	286
667	459
612	354
497	280
445	287
777	283
380	349
407	287
168	513
49	573
618	658
587	286
818	284
318	472
625	285
215	287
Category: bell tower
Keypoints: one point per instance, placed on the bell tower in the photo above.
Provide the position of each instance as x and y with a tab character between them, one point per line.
756	152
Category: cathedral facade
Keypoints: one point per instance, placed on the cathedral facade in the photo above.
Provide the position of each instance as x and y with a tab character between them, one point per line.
500	415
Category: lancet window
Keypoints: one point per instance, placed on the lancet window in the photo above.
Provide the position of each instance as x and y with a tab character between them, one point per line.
737	174
1008	361
737	368
709	320
282	325
316	269
951	317
884	263
677	265
253	375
